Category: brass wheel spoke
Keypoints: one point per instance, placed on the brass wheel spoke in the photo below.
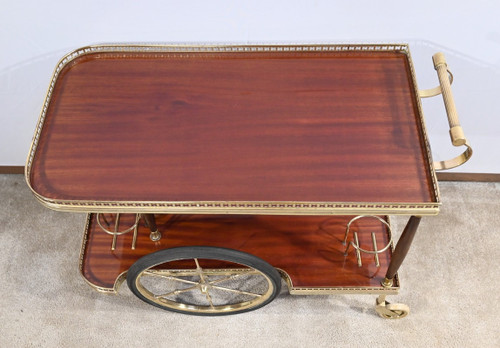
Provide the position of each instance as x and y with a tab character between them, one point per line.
203	284
236	291
200	272
209	299
154	274
172	273
197	264
181	280
177	292
203	281
208	272
232	277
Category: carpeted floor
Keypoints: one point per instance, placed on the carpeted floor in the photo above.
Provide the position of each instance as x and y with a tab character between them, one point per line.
450	280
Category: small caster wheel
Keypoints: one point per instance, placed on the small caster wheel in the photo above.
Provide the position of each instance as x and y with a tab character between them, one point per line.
392	310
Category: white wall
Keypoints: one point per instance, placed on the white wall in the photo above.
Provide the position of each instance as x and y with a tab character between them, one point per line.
35	34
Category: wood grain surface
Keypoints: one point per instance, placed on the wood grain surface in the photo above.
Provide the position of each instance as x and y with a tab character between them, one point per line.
255	126
308	248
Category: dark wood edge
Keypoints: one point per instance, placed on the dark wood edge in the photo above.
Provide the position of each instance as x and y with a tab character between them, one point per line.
474	177
11	169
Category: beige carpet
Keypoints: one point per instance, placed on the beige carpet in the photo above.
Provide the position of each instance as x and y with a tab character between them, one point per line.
450	280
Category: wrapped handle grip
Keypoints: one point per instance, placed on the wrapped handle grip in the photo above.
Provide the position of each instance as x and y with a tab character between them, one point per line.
456	132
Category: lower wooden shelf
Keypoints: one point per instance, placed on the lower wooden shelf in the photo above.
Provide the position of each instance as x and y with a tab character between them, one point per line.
307	250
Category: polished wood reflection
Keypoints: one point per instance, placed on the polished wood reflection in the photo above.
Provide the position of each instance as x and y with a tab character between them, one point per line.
308	248
254	126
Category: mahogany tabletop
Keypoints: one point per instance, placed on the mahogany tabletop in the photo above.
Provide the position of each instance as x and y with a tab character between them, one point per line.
263	129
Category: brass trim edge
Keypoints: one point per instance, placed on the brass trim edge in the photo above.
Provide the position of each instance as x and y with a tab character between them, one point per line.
293	290
119	280
423	130
344	291
244	207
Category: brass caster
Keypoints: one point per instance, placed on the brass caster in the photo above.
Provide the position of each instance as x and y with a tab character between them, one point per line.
155	236
391	310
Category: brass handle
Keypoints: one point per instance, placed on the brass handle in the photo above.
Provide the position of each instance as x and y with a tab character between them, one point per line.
456	132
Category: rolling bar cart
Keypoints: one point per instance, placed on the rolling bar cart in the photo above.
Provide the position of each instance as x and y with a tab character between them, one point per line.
212	173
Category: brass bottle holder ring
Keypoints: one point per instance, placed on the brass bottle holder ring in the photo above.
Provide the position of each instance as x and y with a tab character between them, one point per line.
116	232
355	241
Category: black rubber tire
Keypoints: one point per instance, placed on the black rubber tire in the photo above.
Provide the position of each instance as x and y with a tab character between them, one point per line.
203	252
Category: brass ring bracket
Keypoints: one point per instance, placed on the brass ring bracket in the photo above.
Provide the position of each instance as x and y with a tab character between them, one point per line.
355	242
117	223
456	132
116	231
454	162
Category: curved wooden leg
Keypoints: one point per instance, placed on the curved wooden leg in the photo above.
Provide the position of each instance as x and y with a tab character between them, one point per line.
402	248
397	310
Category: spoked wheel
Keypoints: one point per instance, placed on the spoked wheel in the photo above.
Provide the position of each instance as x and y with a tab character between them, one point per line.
204	280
